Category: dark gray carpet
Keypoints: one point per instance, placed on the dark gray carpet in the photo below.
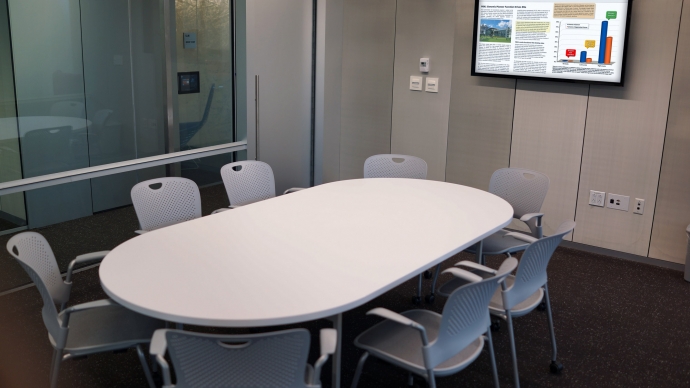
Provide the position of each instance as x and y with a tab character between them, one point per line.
618	323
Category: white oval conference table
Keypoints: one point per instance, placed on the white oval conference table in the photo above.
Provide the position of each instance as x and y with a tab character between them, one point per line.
313	254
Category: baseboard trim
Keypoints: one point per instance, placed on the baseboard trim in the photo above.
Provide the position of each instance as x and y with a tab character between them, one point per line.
623	255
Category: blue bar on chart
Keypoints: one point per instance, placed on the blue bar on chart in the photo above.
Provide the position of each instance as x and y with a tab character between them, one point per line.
602	41
583	56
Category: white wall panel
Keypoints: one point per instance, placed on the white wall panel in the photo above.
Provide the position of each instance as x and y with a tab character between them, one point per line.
625	130
367	84
481	113
672	215
548	131
424	29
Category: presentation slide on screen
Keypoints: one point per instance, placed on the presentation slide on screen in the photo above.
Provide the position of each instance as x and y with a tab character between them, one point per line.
576	40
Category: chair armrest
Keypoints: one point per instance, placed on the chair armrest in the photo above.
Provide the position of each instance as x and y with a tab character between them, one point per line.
93	257
158	348
294	190
473	265
401	319
462	274
521	236
65	314
141	231
329	341
529	216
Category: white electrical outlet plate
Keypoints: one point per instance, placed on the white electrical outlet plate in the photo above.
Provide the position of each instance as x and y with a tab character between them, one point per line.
618	202
416	83
597	198
638	206
431	85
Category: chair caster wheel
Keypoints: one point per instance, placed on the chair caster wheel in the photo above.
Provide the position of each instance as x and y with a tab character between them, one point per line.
416	300
556	367
427	274
542	306
495	325
430	298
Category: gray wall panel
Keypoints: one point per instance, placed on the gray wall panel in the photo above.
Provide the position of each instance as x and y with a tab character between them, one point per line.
547	137
329	79
367	99
481	113
672	213
625	133
420	119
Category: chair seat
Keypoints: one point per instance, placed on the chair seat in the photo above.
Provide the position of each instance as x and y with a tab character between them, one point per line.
402	345
108	328
496	304
498	244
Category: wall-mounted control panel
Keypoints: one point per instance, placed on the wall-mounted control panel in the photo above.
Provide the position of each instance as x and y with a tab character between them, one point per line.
618	202
432	85
424	65
188	82
416	82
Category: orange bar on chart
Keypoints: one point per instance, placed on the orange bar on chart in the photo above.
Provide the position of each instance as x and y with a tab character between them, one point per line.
607	56
589	60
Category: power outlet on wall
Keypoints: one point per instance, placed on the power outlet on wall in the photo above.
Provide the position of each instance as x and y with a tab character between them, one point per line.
618	202
597	198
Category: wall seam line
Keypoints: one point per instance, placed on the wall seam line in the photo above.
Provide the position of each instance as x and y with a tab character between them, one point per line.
512	125
395	38
582	153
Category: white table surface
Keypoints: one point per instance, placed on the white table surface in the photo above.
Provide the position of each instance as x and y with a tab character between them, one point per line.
302	256
8	125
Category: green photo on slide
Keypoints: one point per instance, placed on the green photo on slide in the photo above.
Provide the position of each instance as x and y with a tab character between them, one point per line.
495	31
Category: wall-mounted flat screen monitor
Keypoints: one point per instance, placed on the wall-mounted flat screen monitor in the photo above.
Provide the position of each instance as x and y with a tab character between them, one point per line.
569	40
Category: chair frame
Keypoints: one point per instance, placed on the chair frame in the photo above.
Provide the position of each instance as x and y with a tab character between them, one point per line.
533	279
146	185
159	348
57	321
431	359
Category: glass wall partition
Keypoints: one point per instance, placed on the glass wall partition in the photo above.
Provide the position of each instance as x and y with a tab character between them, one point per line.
12	212
92	79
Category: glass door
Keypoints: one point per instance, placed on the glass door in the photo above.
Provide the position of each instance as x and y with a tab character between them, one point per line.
92	82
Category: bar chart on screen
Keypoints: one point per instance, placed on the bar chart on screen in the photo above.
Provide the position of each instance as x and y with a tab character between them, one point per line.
589	42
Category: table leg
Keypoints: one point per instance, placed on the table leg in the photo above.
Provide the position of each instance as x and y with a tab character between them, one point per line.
480	254
337	356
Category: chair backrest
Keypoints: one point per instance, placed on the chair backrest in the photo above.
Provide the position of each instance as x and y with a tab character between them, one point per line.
465	316
257	360
248	182
531	272
166	201
34	254
395	166
525	190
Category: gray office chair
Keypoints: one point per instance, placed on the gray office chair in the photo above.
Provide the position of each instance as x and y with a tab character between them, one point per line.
428	344
84	329
522	293
276	359
165	201
400	166
249	181
525	190
395	166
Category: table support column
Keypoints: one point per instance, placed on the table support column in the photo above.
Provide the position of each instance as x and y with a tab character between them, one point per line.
337	356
